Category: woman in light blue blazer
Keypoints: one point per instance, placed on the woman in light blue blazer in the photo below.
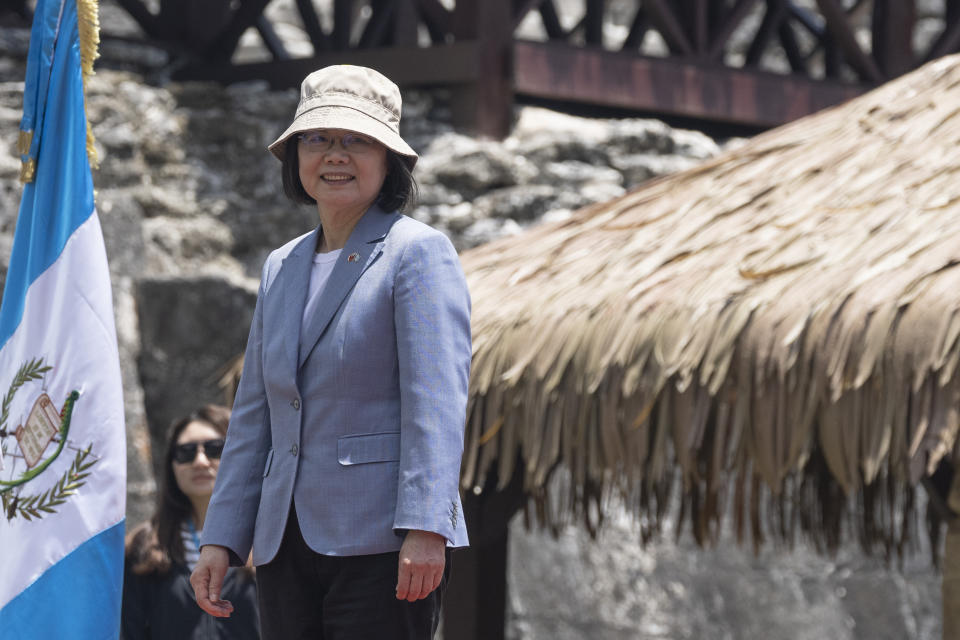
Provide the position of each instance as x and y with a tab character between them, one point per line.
342	459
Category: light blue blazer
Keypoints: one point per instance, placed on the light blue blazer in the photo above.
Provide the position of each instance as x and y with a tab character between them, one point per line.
359	422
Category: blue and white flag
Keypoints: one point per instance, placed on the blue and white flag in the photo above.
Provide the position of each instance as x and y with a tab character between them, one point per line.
63	475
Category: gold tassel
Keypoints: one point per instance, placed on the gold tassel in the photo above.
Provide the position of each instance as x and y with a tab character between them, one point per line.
28	167
24	140
28	170
88	24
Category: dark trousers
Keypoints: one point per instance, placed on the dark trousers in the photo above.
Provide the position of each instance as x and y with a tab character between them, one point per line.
307	596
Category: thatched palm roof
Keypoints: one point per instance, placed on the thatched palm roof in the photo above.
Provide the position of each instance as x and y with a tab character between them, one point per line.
780	323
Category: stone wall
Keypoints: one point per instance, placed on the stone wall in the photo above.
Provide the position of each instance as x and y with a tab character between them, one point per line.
191	203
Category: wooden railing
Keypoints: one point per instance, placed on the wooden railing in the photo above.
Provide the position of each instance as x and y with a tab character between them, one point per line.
751	62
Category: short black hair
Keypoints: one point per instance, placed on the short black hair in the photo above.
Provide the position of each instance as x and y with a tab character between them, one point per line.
398	193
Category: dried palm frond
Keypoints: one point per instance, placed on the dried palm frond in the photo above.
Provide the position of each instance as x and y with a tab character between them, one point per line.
781	324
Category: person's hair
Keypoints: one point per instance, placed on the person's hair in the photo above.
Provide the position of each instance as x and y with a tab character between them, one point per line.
156	544
398	193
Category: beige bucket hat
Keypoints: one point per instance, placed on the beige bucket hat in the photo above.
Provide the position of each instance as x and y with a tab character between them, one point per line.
349	97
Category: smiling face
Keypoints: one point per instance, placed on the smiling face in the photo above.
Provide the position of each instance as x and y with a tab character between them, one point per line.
342	181
196	478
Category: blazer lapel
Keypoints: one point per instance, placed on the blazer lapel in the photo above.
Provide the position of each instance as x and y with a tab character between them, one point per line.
292	281
362	249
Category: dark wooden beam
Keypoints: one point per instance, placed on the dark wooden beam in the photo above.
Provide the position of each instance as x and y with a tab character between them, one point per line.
376	31
475	603
205	28
953	11
832	59
271	40
435	13
698	15
20	8
456	63
593	22
949	40
576	28
803	17
730	22
670	86
669	27
938	501
551	21
521	8
859	9
226	40
311	24
774	16
638	29
893	22
139	12
342	24
806	18
437	18
842	33
173	21
405	22
788	39
715	14
485	107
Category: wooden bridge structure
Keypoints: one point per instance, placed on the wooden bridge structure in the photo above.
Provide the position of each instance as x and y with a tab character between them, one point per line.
712	64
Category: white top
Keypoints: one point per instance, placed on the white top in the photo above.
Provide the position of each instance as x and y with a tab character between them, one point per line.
319	274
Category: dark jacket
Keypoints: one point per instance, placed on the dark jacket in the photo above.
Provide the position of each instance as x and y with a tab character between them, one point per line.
162	607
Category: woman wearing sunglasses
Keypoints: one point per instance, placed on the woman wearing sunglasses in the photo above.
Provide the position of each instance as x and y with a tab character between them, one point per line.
157	598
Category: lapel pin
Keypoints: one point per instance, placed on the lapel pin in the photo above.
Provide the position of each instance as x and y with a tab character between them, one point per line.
353	257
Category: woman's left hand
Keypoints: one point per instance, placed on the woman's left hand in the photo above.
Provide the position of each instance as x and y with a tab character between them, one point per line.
422	559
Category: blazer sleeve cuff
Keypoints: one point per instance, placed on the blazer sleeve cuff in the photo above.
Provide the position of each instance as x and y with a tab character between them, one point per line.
449	525
235	560
401	532
237	550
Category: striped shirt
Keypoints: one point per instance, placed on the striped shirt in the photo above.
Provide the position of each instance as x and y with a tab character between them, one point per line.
191	542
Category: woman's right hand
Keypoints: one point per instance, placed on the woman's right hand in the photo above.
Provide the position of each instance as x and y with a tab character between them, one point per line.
207	579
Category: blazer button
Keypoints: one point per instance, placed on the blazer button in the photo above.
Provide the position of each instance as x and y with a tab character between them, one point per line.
294	449
296	404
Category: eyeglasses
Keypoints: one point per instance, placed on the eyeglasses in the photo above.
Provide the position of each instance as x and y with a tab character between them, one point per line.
323	141
187	452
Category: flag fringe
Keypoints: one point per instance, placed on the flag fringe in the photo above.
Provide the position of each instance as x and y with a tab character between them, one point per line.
28	170
88	24
24	141
28	166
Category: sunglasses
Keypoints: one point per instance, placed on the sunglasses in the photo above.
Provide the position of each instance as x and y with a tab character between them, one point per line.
323	141
187	452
